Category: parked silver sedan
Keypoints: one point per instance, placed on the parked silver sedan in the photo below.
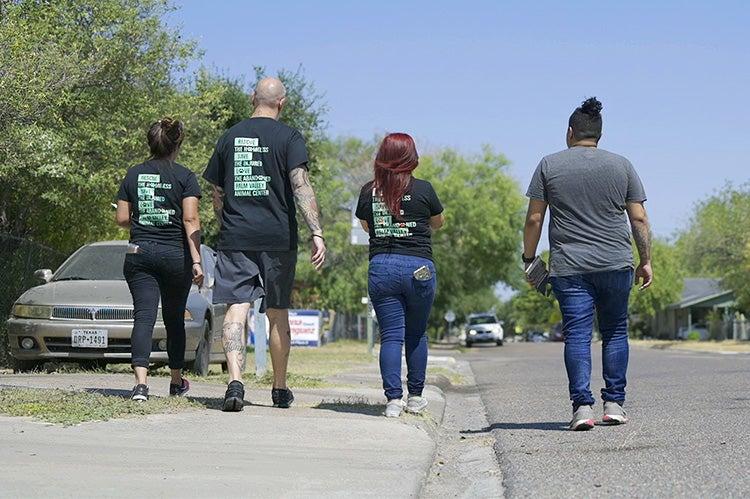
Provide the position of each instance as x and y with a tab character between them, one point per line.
84	313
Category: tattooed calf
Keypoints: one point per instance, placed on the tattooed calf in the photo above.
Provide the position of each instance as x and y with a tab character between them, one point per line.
232	339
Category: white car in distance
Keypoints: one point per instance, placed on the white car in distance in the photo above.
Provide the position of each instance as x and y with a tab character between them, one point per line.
483	328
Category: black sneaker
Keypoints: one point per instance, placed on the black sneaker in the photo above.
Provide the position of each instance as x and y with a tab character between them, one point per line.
234	400
140	393
282	397
179	390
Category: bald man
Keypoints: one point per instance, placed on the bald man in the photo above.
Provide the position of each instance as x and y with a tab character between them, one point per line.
259	170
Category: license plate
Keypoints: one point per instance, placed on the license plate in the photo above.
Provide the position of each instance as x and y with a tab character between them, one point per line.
89	338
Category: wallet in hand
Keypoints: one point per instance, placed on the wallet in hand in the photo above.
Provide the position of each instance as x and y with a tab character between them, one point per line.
538	275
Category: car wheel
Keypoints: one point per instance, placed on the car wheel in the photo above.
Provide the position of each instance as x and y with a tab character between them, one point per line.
499	343
25	366
468	344
203	352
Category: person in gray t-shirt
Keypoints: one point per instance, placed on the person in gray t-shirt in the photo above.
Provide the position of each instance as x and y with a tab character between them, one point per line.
591	194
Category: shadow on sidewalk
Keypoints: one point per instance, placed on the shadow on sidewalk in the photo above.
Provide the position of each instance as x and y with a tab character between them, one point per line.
548	426
351	406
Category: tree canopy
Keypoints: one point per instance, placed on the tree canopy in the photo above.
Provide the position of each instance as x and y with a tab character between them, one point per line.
716	243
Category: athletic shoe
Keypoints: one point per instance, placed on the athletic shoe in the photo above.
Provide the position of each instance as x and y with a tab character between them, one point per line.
614	414
393	408
415	404
234	399
583	418
140	393
282	397
179	390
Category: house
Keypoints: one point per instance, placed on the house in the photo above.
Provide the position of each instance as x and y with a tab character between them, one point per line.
700	297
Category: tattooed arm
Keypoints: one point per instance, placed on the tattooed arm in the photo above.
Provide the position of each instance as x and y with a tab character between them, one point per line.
642	237
308	205
218	201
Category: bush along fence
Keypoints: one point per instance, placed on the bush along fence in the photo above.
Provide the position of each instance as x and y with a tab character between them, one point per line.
20	257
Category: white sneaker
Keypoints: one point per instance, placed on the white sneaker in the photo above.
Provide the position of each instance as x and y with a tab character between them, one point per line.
416	404
614	414
583	419
393	408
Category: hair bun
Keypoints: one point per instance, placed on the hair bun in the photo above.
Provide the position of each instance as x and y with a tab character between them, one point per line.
167	123
592	106
172	128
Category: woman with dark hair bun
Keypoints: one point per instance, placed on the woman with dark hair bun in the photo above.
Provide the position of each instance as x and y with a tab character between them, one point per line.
400	212
158	202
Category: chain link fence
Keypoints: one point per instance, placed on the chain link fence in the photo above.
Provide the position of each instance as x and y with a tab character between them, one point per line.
20	258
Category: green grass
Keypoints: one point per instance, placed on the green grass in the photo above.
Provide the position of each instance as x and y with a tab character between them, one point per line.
454	377
70	408
308	367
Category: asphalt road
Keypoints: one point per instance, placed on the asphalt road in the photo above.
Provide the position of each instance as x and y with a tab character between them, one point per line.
688	435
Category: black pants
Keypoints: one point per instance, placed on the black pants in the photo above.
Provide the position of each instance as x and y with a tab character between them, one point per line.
158	271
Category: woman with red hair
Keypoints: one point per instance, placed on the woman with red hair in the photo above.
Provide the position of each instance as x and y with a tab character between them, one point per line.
400	212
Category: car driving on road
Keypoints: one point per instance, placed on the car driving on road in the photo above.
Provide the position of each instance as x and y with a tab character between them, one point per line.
84	313
483	328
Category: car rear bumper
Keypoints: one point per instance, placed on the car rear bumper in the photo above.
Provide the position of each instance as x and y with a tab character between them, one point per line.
52	339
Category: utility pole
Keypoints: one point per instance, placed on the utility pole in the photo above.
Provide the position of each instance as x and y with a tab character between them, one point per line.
261	343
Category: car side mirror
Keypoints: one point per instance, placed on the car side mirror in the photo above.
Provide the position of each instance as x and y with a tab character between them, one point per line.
44	275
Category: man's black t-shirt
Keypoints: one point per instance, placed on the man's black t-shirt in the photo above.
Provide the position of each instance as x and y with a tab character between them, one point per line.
155	190
252	162
409	234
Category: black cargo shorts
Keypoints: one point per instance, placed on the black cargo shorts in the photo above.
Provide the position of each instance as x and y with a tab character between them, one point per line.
245	276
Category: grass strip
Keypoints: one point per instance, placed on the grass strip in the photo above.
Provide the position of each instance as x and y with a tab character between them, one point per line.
72	407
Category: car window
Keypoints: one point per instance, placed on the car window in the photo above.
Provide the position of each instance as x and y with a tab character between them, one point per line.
482	319
95	263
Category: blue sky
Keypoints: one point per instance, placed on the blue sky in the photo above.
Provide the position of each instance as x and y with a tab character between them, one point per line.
674	77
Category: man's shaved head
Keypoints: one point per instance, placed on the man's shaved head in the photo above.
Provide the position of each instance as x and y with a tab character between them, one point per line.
269	92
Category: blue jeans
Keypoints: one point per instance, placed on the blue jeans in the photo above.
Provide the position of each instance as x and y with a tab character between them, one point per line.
402	305
579	296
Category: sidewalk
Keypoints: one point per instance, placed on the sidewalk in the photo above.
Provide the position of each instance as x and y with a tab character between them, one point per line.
724	347
332	442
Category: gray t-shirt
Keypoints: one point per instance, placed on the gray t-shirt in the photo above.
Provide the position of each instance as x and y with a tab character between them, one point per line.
586	189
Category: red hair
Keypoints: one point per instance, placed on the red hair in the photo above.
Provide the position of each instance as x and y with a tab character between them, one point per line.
396	159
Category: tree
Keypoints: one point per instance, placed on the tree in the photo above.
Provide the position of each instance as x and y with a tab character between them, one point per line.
79	85
481	240
532	310
80	81
345	164
717	241
665	289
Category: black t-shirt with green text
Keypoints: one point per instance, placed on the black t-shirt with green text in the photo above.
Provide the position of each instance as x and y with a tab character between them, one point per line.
408	234
251	163
155	190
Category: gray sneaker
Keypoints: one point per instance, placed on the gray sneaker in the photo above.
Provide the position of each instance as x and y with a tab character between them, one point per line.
415	404
613	414
393	408
583	418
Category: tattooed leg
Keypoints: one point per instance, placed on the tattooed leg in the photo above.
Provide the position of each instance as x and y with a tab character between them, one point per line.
233	339
280	342
234	348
